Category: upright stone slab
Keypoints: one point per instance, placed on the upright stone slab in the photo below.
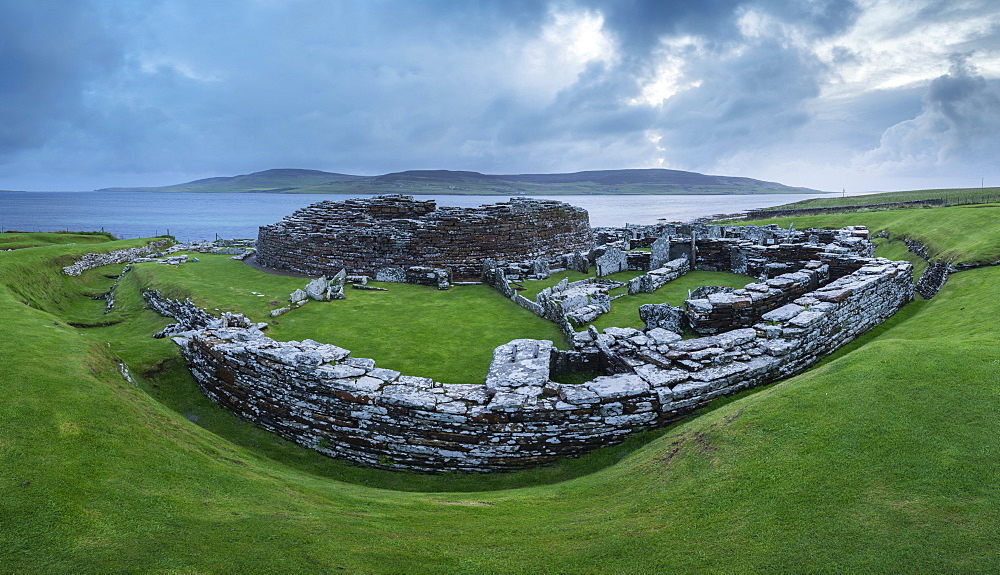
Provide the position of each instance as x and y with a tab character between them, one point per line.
660	253
578	262
318	289
540	268
662	315
612	261
520	362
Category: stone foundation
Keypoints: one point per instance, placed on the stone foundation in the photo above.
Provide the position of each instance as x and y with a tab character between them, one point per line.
319	396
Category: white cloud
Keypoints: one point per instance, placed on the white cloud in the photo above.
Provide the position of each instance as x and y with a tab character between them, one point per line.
568	43
896	44
670	75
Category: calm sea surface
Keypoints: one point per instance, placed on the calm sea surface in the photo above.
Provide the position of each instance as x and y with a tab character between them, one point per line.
203	216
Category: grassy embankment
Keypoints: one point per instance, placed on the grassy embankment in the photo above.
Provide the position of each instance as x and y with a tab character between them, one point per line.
884	459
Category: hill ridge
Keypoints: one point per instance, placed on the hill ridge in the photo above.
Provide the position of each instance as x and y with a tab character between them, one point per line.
418	182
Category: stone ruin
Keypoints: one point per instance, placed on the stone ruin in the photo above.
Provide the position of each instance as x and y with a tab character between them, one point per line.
384	236
817	290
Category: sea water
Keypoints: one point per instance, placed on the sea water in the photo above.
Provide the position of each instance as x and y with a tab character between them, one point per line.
190	216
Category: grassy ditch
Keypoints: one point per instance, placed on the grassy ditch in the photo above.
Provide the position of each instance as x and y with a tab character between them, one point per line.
883	459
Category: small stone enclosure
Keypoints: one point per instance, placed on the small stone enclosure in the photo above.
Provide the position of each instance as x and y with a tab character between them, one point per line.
817	291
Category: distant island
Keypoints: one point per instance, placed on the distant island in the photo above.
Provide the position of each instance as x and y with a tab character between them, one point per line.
417	182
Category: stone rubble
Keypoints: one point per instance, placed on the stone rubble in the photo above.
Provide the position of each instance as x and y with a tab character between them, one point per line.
91	261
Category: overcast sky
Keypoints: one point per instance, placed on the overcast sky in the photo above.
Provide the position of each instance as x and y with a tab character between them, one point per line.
828	94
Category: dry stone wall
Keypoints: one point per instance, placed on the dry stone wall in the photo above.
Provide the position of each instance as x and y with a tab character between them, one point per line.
319	396
378	235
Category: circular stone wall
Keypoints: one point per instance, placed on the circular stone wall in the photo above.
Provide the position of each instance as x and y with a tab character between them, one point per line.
364	236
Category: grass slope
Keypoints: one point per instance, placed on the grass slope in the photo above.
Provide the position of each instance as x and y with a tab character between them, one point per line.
884	459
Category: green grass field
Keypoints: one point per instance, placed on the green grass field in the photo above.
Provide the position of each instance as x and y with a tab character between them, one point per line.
418	330
957	196
884	459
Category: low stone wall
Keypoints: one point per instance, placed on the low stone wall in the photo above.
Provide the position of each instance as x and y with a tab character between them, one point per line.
768	214
727	310
369	236
655	279
319	396
92	261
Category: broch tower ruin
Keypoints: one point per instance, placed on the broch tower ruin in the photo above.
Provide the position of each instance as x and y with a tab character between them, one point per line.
387	234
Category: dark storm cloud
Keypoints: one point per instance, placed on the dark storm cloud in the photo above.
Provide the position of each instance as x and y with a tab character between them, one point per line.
50	54
750	101
122	92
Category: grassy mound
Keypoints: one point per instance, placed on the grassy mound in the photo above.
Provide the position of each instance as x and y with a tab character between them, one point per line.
883	459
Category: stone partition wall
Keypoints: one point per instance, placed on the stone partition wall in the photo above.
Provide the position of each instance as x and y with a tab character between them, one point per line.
319	396
368	236
731	309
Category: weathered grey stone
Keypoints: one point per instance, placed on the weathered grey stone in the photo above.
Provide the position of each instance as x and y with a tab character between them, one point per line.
394	275
783	313
806	318
663	336
317	289
578	395
364	383
406	396
384	374
660	253
612	261
344	371
658	377
662	316
297	296
618	386
364	363
622	332
520	362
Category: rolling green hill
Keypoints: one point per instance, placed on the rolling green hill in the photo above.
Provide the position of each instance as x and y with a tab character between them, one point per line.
652	181
883	459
